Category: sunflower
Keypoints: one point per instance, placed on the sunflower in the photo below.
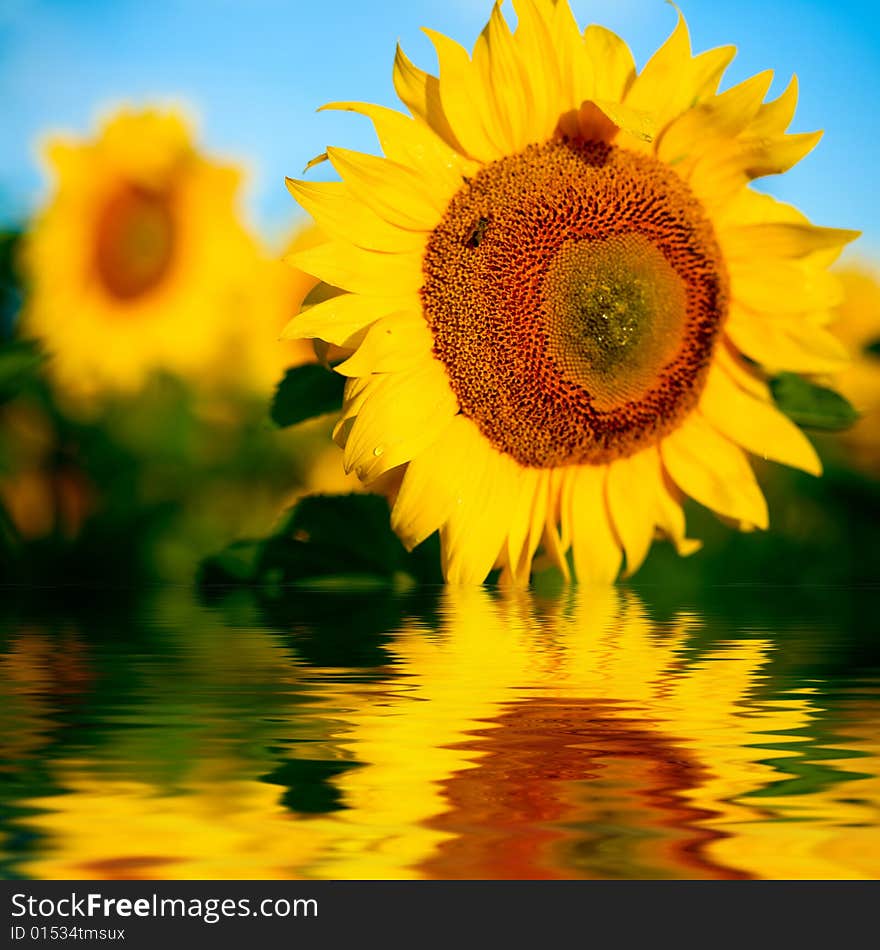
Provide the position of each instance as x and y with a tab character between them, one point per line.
857	323
138	261
277	292
560	292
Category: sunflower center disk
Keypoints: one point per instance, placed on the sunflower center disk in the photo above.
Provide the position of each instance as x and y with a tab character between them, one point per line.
135	241
575	292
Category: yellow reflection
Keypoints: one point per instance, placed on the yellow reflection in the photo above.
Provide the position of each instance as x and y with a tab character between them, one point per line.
518	734
110	828
513	738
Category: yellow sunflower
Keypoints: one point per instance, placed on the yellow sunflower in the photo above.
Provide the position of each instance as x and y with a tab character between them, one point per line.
139	258
857	323
277	291
554	274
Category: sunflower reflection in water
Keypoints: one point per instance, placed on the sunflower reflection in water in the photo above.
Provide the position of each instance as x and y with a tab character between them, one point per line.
510	738
554	275
581	739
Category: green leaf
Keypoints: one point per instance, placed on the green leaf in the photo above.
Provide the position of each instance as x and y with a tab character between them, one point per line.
234	566
19	360
873	348
334	536
812	406
306	392
334	542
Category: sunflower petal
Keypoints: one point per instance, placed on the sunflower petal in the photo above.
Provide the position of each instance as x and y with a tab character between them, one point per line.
400	416
420	93
793	343
341	216
496	57
713	471
576	76
396	193
473	537
411	143
462	98
430	488
364	272
632	500
338	319
783	286
662	87
392	344
755	425
781	239
526	524
535	45
774	117
597	553
612	63
734	109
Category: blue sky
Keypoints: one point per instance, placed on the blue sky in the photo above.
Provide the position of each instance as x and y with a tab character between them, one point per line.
255	71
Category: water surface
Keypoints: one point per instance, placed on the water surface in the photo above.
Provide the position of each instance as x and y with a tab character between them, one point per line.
370	734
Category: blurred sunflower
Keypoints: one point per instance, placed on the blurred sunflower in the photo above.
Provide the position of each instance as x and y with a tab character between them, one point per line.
857	323
277	293
138	259
553	275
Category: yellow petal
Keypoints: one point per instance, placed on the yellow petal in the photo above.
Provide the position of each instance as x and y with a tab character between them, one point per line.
463	98
420	93
338	319
754	424
392	344
633	502
717	165
557	526
540	69
396	193
411	143
576	75
748	377
732	111
430	488
713	471
707	69
783	286
785	343
341	215
755	207
472	538
775	117
772	156
597	554
780	239
526	523
603	120
365	272
496	57
661	87
401	414
612	64
670	516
